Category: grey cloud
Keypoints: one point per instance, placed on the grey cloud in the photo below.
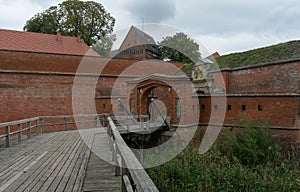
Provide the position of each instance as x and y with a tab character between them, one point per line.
151	11
46	4
236	16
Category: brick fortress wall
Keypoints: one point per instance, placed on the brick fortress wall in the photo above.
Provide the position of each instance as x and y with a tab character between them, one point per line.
278	77
268	93
40	84
46	87
278	111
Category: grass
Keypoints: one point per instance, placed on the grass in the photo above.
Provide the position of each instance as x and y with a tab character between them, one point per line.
279	52
247	161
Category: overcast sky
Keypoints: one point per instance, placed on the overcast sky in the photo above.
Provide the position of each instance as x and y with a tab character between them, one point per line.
220	25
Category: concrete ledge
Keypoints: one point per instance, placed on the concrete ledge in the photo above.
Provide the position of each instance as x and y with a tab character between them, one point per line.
251	95
257	65
235	126
242	126
65	74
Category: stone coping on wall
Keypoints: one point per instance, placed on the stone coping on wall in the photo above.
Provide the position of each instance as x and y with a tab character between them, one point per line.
65	74
61	54
251	95
243	126
257	66
111	97
158	77
74	55
234	126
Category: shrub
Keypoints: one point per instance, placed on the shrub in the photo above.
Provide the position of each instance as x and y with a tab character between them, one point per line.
252	146
247	161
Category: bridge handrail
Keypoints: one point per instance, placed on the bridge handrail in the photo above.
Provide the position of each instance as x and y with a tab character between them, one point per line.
129	165
38	124
18	122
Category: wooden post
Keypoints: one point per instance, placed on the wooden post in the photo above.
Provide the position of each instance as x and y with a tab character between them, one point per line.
29	130
82	122
118	167
111	140
124	172
37	127
65	123
42	125
105	124
103	120
20	132
7	136
96	121
127	184
118	158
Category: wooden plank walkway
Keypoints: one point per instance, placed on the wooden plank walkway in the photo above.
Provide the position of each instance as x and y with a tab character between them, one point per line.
100	175
54	162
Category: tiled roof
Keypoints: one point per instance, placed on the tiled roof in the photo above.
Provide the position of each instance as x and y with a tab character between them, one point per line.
43	43
137	35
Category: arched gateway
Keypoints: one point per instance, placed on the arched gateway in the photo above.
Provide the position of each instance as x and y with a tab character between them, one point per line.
172	95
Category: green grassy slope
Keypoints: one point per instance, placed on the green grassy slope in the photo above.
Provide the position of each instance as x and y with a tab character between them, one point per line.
282	51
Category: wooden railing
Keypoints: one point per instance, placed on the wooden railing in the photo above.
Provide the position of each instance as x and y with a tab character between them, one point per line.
40	125
24	129
127	165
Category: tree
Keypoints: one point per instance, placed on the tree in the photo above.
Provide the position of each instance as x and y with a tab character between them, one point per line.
104	45
179	48
88	19
46	22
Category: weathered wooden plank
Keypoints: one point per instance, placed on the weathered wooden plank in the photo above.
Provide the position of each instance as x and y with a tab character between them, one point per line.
69	171
20	162
13	158
28	177
100	174
63	150
80	178
48	185
16	177
49	171
23	177
59	180
52	161
62	167
75	172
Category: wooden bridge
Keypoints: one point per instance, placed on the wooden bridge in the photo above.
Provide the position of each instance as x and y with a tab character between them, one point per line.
50	154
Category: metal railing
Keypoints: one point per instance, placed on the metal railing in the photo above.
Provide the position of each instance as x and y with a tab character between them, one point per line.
140	123
127	165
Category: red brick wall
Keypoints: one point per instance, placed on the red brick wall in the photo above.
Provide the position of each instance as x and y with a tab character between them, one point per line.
279	78
105	105
25	95
277	110
31	95
27	61
220	79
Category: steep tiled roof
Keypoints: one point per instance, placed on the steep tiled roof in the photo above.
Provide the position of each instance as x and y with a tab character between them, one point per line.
140	38
43	43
